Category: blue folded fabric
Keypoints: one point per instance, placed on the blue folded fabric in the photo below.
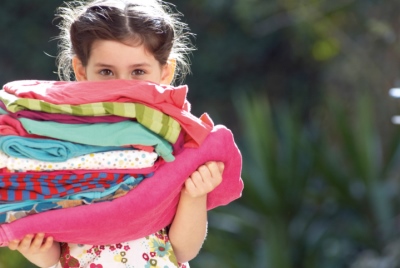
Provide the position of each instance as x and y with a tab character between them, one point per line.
48	149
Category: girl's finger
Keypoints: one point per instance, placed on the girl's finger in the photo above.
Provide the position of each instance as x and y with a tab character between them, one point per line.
13	245
221	166
215	171
213	167
196	178
47	244
25	243
205	172
189	186
37	241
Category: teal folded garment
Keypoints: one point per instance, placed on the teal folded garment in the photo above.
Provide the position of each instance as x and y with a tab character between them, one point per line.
101	134
2	111
48	149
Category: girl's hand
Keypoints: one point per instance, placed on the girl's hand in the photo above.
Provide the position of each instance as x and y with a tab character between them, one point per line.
205	179
32	244
41	251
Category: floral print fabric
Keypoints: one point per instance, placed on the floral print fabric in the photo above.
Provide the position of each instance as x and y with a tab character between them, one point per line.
148	252
122	159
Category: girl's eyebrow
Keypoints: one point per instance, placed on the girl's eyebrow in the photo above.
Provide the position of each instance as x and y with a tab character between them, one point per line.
143	64
136	65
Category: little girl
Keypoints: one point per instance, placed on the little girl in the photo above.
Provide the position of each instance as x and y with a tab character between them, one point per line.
129	39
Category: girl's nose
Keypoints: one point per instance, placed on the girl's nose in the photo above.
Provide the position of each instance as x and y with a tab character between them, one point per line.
123	76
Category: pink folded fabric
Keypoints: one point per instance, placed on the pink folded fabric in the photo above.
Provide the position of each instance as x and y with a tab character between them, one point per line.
145	210
11	126
63	92
168	99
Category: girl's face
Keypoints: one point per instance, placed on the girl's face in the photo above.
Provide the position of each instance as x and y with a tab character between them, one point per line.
115	60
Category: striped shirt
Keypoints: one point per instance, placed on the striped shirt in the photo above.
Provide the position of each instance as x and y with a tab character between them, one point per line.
41	185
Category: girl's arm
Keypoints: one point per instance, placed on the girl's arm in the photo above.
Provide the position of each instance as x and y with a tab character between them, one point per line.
189	227
43	252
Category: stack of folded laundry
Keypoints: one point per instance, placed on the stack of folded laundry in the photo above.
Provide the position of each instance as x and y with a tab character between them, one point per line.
68	144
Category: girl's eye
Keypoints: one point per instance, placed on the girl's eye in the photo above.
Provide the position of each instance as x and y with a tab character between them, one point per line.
138	72
106	72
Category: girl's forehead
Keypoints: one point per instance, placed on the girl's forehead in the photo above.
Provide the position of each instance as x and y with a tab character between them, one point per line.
119	51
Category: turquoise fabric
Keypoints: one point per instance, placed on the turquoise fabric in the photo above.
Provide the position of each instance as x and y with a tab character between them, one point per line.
48	149
2	111
101	134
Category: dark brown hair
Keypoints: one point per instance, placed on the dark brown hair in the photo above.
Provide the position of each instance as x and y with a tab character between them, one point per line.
133	22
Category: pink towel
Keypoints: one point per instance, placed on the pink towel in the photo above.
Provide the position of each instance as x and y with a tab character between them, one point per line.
145	210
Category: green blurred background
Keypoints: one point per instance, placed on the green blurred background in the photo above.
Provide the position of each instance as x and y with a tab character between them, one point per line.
304	86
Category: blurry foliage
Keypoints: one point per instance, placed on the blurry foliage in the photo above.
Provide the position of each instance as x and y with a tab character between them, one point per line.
13	259
320	154
323	193
27	28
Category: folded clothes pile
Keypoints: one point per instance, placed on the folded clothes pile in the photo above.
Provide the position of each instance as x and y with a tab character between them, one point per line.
68	144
